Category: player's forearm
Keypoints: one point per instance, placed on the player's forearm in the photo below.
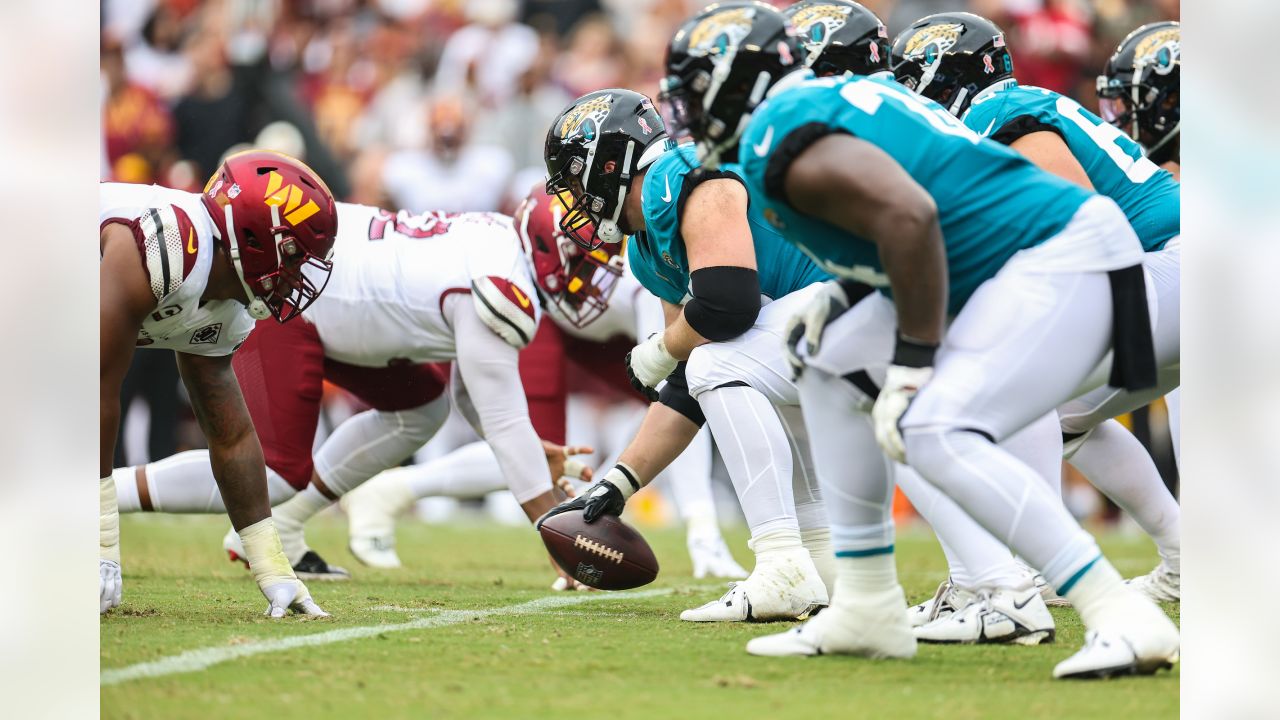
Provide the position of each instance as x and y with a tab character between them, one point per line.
663	435
916	262
240	470
680	339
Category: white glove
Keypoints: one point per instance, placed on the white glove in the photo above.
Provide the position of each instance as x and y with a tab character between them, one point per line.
900	385
648	364
109	585
290	595
827	305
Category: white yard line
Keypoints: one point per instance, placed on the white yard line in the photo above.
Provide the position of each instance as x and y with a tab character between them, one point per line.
202	658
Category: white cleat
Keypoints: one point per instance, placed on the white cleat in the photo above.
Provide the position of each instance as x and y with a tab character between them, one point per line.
1135	638
873	626
1161	584
375	551
371	512
784	586
1051	597
1001	615
711	558
948	599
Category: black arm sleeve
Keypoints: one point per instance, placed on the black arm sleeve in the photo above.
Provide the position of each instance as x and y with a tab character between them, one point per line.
787	150
1020	126
726	301
675	395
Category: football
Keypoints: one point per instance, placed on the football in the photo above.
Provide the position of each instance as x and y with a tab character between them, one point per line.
607	554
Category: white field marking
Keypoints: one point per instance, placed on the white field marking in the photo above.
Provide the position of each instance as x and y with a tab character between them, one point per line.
401	609
203	658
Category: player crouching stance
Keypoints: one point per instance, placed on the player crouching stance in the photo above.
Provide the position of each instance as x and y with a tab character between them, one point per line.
696	246
1041	277
411	291
177	272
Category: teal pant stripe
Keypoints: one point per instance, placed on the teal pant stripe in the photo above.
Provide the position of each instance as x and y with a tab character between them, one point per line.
888	550
1071	581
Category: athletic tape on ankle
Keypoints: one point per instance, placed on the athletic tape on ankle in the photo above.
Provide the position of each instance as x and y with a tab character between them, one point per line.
108	520
264	554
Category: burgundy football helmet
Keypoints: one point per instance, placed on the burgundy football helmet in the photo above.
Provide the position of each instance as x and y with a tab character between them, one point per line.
576	282
277	221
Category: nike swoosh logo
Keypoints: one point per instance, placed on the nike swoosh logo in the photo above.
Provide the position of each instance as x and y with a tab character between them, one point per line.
763	148
987	132
1020	605
191	241
524	301
667	197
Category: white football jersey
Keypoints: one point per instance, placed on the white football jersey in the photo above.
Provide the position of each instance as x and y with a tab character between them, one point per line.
618	319
175	238
393	272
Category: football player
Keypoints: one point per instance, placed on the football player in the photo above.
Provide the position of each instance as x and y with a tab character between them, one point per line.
413	291
1040	278
592	299
840	37
1138	91
972	76
695	245
191	273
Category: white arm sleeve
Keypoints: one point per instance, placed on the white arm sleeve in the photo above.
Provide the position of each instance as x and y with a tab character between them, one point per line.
490	371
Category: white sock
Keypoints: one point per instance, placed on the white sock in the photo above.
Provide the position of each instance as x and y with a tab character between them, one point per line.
1091	591
469	472
183	483
775	542
127	489
818	542
756	453
1118	465
291	516
867	575
372	441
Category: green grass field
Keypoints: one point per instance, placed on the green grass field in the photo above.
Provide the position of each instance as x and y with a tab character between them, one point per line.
601	656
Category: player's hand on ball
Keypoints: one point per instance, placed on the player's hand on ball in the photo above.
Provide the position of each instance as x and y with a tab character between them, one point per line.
290	595
911	368
830	303
564	469
110	585
606	497
648	364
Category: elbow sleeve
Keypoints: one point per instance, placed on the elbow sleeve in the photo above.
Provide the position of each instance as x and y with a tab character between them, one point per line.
726	301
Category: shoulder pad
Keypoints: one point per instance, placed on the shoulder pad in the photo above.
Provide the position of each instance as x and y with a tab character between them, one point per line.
505	309
169	245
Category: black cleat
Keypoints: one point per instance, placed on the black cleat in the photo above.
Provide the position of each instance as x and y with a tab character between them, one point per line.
313	567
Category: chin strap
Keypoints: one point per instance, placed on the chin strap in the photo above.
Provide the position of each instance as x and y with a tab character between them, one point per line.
258	309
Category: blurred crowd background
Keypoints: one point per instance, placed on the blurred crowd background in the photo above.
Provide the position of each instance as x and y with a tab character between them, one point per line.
444	104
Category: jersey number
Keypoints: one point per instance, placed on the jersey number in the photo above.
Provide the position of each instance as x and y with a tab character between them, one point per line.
1122	150
417	227
868	96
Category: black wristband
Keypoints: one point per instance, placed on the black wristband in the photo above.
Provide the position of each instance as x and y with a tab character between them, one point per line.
913	353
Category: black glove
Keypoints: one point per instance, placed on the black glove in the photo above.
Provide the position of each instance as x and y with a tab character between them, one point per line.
602	498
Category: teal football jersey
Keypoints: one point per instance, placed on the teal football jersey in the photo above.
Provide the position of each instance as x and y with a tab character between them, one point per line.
1116	167
657	255
991	201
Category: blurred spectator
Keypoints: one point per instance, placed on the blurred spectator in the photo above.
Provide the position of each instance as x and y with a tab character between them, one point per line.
156	60
488	56
136	126
1050	39
520	124
453	173
592	58
214	114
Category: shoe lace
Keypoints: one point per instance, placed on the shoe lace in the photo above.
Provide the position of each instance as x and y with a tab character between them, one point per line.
941	595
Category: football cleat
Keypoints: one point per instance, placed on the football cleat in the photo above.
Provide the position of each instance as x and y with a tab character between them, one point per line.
1051	597
711	558
784	586
375	551
1001	615
1107	655
1131	635
1161	584
310	567
872	625
948	599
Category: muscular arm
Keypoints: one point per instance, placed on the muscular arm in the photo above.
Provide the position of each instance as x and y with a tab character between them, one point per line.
855	185
234	452
124	299
663	435
1047	150
1175	168
716	234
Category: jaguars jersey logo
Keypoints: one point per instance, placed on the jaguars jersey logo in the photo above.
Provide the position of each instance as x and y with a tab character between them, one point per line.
816	22
932	42
720	31
1159	51
586	117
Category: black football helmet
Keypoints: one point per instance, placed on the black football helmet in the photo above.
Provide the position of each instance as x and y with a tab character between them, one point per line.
720	63
593	150
1138	89
950	57
840	37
